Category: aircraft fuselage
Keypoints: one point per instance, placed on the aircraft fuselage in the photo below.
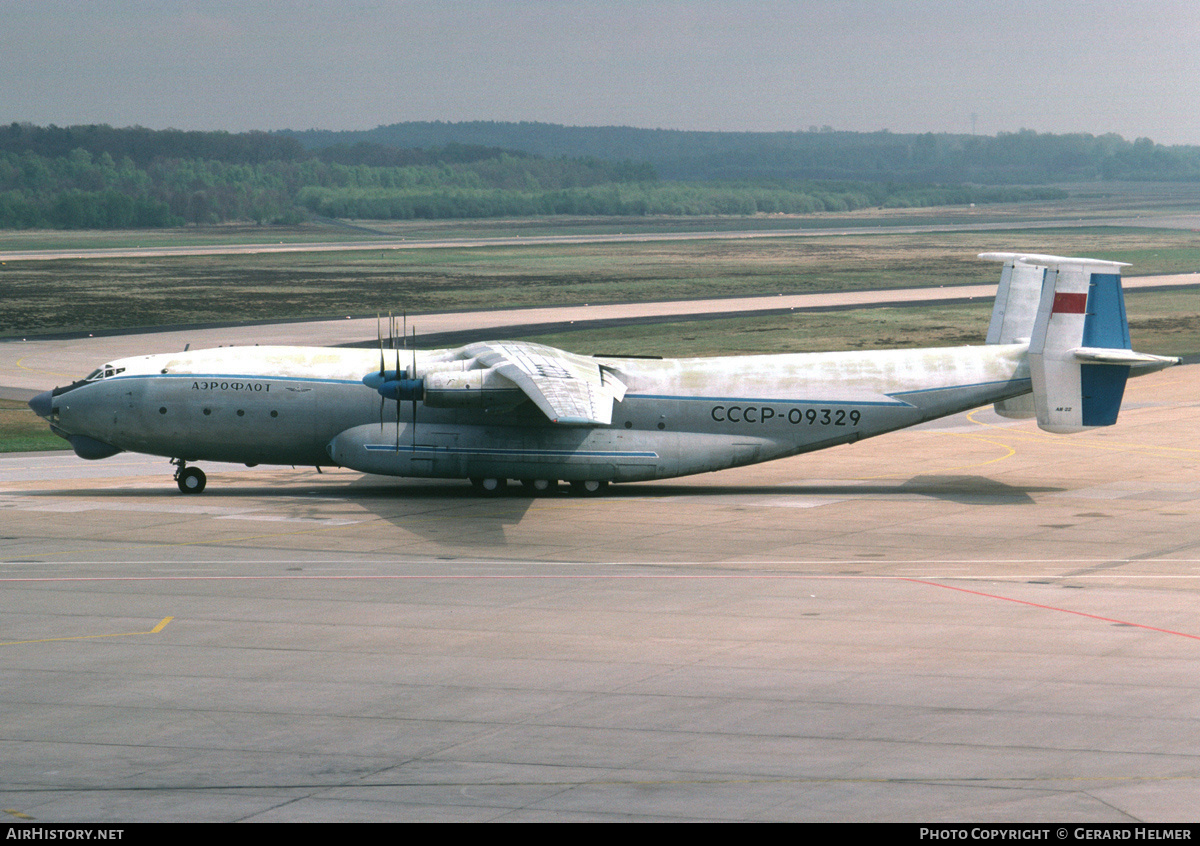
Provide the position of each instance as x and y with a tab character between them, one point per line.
308	406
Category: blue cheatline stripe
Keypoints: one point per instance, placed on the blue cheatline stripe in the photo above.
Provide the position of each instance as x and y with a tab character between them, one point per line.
764	400
226	377
960	387
555	453
1105	324
1102	386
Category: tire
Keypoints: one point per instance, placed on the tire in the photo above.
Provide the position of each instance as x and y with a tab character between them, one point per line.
539	486
191	480
588	487
489	486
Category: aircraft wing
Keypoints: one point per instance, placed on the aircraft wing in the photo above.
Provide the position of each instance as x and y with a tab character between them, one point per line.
569	389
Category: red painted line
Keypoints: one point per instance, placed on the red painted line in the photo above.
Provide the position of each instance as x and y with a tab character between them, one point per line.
1069	303
1053	608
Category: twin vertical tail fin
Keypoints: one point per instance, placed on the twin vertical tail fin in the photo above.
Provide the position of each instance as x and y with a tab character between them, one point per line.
1071	312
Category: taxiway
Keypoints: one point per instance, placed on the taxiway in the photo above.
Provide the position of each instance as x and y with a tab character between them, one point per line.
972	620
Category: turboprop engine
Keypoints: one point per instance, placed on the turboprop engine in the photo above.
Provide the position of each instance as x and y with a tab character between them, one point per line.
484	388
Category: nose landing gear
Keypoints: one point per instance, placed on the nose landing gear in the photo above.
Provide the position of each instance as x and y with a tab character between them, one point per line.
191	480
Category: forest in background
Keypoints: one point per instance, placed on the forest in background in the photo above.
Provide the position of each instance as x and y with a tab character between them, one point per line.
1009	158
100	177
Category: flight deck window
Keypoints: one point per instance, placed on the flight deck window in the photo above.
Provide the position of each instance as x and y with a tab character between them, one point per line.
104	372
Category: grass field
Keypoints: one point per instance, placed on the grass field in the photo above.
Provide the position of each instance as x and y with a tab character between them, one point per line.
1162	323
23	431
1100	203
88	295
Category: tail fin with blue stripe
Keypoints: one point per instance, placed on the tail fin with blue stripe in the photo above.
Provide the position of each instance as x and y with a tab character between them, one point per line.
1079	350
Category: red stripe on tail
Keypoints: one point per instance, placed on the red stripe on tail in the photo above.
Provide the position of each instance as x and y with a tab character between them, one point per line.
1069	303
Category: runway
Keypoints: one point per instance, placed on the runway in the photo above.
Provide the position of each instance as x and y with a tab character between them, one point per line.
384	241
968	621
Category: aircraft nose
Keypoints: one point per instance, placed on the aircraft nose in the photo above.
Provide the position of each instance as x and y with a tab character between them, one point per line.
43	403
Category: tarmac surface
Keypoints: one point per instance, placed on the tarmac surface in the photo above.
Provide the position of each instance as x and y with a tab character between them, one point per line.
968	621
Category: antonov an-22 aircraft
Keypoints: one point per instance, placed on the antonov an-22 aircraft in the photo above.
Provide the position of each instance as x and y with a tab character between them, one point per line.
1057	349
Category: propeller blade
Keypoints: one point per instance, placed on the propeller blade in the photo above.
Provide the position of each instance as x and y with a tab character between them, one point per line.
397	403
414	375
379	335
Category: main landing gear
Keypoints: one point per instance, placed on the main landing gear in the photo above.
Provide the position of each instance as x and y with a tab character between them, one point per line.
191	480
490	486
589	487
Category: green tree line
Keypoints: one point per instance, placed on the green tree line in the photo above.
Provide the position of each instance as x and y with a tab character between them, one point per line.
141	178
1022	157
673	198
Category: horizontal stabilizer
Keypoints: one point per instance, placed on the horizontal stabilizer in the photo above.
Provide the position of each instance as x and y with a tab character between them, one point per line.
1143	362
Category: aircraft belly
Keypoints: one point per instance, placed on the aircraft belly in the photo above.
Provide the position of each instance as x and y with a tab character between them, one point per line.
940	402
449	450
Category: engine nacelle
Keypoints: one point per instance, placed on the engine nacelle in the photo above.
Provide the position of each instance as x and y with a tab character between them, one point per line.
471	389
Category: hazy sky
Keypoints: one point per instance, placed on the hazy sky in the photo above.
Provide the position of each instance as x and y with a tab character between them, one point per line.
1128	66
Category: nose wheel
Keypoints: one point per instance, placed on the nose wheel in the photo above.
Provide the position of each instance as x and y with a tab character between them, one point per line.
191	480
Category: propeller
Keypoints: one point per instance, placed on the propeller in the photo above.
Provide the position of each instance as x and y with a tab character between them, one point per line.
414	402
397	407
396	384
379	335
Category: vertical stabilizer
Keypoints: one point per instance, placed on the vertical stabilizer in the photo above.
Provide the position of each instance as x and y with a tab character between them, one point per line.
1079	350
1070	396
1017	299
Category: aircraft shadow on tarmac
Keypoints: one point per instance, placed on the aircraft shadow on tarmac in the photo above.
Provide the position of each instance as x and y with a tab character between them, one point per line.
953	488
962	488
450	511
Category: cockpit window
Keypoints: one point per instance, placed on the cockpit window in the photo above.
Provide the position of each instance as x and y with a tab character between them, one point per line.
105	372
97	375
